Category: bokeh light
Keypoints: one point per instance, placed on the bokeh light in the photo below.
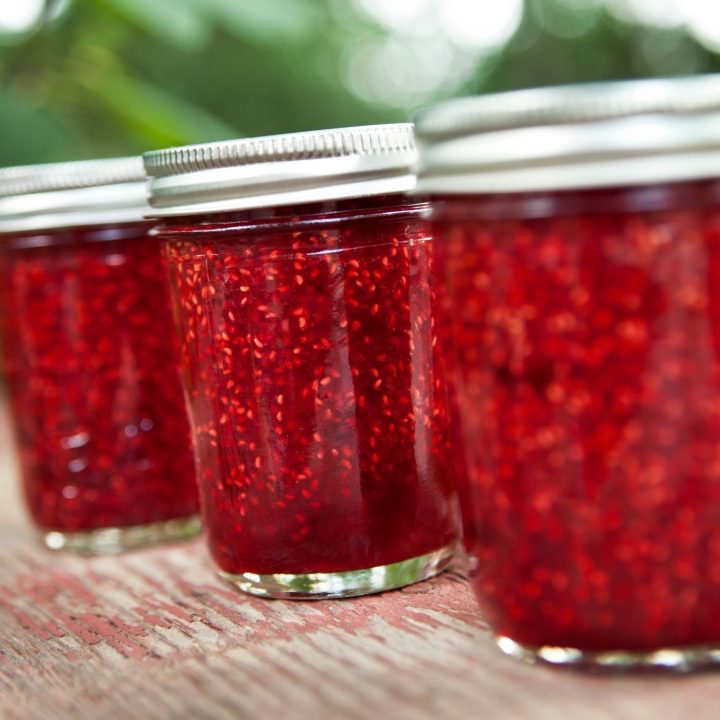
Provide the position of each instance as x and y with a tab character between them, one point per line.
20	16
429	47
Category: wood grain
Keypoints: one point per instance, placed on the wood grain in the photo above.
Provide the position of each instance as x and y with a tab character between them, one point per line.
154	635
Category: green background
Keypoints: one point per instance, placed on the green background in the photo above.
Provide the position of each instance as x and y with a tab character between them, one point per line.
114	77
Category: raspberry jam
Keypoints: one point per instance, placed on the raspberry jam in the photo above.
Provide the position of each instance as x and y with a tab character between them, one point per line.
90	365
307	347
580	315
588	353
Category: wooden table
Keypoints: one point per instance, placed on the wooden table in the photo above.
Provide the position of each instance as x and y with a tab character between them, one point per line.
154	635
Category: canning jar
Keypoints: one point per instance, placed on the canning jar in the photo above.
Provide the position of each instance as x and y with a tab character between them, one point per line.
578	239
300	277
90	359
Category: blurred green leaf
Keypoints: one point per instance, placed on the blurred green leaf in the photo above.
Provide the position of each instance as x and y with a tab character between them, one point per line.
109	77
29	134
180	22
157	118
266	20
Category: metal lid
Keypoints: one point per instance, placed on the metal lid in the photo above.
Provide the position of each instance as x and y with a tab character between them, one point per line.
576	136
282	170
87	192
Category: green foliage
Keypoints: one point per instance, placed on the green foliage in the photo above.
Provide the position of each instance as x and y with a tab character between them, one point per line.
114	77
121	76
608	50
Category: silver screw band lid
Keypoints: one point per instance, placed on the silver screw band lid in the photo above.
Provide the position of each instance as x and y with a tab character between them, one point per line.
72	194
281	170
573	137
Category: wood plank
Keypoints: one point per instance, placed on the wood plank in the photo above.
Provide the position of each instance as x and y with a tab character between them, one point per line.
154	635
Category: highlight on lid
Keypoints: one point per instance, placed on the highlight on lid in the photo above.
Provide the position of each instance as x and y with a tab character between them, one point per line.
90	359
300	271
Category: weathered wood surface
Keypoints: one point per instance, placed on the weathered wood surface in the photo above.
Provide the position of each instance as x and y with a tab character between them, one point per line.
155	635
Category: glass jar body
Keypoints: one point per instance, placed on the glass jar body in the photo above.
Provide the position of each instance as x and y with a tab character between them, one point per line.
91	367
319	417
583	338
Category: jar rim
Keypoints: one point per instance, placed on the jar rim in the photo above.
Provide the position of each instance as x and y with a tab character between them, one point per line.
72	194
571	137
288	169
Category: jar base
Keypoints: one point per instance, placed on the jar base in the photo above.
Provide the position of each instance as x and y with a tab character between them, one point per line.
112	540
670	659
346	584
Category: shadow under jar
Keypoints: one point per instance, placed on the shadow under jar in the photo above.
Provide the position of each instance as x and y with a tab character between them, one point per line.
90	359
578	241
300	275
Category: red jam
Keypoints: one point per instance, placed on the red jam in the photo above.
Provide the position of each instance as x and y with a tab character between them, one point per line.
92	375
586	380
307	344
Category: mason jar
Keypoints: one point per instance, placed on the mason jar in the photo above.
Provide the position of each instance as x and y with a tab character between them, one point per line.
90	359
578	239
300	273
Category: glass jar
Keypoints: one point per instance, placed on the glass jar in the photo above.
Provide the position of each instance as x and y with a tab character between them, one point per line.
578	240
90	359
300	277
